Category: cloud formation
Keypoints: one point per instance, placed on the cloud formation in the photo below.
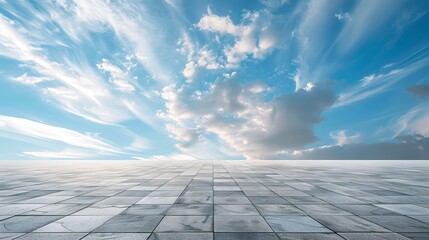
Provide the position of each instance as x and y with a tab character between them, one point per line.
406	147
179	79
47	132
237	114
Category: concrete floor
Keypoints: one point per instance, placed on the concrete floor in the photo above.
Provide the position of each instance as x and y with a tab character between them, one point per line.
214	200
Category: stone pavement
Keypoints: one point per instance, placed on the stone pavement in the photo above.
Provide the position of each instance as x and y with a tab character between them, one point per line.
267	200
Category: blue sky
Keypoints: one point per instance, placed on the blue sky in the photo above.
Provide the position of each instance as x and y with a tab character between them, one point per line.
171	79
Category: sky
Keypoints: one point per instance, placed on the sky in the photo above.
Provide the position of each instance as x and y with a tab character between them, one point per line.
200	79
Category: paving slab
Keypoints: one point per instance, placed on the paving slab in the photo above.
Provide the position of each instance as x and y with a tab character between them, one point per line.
190	199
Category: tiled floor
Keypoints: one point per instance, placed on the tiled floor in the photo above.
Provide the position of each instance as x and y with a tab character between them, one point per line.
267	200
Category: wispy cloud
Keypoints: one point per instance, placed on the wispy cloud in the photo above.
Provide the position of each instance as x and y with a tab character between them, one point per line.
171	79
64	154
375	84
47	132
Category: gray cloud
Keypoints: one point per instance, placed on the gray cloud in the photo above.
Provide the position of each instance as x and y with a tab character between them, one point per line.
412	146
420	90
292	120
237	114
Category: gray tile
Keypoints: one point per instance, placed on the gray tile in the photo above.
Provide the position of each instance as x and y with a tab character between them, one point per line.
416	236
399	223
197	200
340	223
56	209
119	200
157	200
75	224
130	223
405	209
9	236
191	209
266	210
295	224
246	236
268	200
185	224
15	209
181	236
231	200
25	223
200	194
322	209
117	236
366	209
309	236
235	210
147	209
421	218
101	210
373	236
57	236
84	200
240	224
365	199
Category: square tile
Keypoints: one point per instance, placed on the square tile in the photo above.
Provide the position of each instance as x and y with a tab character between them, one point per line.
75	224
190	209
339	223
56	236
117	236
147	209
235	210
101	210
240	224
185	224
22	224
246	236
267	210
309	236
295	224
130	224
400	224
181	236
373	236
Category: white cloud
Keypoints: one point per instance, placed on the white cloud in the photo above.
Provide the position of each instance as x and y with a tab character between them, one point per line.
375	84
186	137
341	138
124	19
214	23
190	70
81	91
343	16
168	157
47	132
196	58
258	34
64	154
207	59
314	21
239	117
30	80
117	76
414	121
76	86
366	19
273	4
